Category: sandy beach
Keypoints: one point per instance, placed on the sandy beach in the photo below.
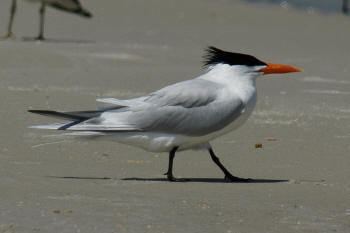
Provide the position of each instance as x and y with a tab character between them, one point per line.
54	184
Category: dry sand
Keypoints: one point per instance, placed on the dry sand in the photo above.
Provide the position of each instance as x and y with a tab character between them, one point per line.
133	47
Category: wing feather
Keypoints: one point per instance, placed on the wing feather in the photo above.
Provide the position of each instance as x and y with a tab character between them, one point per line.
189	108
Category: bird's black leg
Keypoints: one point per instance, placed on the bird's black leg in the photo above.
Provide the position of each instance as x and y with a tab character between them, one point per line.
13	9
169	173
228	175
345	7
42	20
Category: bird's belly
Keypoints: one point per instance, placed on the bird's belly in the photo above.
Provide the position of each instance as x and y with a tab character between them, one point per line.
70	4
161	142
47	1
38	1
158	142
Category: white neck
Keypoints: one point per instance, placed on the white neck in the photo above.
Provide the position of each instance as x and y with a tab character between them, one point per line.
238	79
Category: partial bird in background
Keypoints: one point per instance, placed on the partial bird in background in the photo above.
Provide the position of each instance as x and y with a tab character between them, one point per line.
345	6
185	115
72	6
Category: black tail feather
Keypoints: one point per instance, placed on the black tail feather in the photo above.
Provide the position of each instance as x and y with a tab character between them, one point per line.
66	126
75	116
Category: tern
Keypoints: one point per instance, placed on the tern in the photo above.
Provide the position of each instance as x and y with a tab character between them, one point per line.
72	6
185	115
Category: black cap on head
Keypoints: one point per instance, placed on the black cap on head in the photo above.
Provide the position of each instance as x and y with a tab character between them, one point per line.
215	56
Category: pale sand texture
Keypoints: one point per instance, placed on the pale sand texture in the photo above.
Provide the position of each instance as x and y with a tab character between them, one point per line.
133	47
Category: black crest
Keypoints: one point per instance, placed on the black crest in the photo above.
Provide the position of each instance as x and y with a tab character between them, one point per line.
215	56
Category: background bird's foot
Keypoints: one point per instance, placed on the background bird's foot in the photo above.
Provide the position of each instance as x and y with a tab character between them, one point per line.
40	38
231	178
9	35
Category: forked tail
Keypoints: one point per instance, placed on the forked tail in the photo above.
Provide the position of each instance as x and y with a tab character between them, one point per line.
73	118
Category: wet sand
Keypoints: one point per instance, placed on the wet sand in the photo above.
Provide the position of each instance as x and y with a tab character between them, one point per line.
53	184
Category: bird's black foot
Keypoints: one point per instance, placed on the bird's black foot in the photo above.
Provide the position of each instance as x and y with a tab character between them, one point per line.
40	38
172	178
9	35
231	178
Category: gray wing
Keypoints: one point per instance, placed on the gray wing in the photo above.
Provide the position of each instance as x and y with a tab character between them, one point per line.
187	94
189	108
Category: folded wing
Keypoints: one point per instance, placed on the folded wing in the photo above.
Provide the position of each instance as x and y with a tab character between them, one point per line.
190	108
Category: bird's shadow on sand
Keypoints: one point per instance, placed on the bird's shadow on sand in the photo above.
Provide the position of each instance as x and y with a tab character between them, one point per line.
180	180
80	177
58	40
206	180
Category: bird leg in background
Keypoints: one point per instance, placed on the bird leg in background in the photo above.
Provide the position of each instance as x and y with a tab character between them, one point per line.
169	173
12	16
345	6
228	175
42	19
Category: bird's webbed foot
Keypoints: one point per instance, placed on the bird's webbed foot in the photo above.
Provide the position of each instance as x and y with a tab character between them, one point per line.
234	179
172	178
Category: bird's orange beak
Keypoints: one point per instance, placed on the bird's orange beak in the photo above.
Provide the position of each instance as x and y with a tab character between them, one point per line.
279	69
